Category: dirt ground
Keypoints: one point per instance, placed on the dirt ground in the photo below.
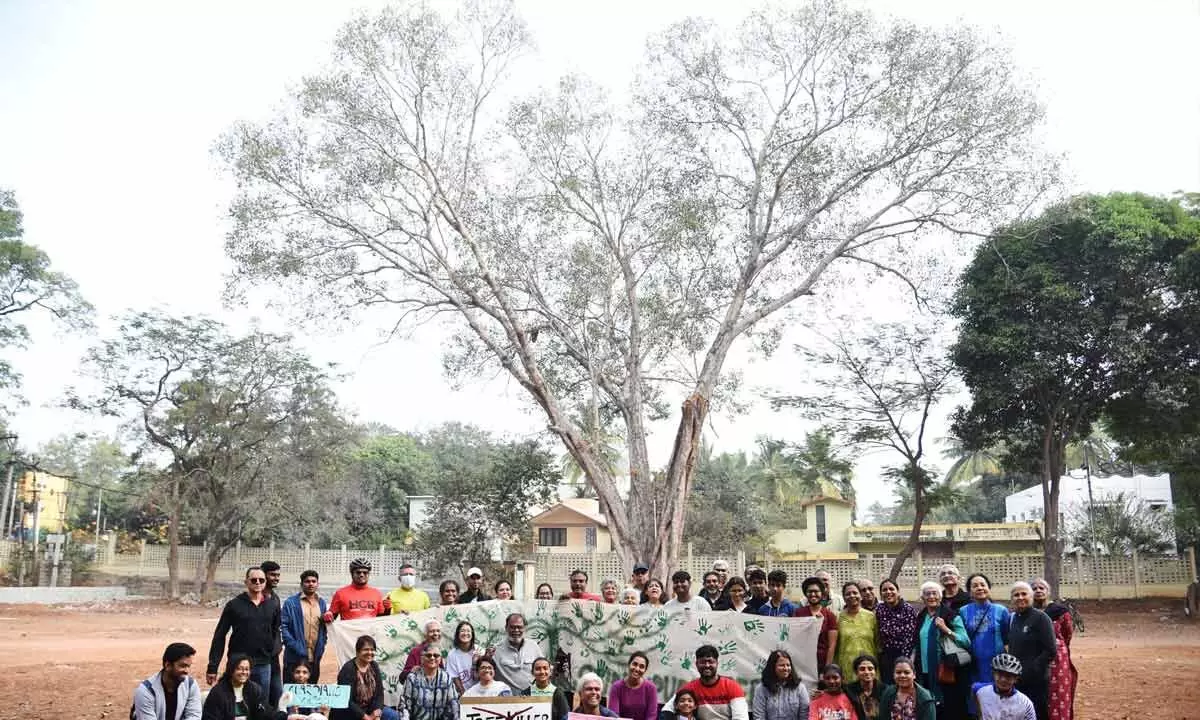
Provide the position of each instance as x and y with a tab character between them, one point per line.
1136	659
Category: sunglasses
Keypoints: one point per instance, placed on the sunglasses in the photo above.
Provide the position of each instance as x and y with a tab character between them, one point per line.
256	581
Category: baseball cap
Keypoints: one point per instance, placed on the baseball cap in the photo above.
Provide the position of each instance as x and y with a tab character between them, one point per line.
474	571
721	565
640	567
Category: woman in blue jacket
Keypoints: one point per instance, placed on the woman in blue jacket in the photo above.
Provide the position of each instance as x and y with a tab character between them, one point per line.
987	627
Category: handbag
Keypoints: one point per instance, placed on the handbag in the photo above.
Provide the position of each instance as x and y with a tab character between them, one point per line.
953	655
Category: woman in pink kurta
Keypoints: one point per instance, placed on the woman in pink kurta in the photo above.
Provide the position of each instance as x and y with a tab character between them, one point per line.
1063	675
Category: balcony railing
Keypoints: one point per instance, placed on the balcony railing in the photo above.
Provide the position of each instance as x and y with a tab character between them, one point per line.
974	532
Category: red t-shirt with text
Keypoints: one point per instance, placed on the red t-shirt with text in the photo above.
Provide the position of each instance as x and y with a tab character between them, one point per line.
353	602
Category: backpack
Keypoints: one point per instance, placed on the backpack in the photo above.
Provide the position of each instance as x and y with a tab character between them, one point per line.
133	707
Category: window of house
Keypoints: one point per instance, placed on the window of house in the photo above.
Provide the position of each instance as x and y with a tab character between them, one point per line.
552	537
820	511
589	538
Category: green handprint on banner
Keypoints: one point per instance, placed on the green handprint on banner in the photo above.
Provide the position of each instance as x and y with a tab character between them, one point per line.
686	663
662	644
598	616
662	619
451	617
623	617
577	610
760	666
784	632
601	668
728	665
391	632
702	627
754	627
665	658
727	648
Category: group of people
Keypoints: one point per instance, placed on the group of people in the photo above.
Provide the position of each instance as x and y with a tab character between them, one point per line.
956	655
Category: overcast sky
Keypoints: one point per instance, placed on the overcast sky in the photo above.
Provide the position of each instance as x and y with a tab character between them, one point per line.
109	109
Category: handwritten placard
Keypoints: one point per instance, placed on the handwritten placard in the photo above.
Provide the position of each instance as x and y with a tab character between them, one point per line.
581	716
505	708
311	696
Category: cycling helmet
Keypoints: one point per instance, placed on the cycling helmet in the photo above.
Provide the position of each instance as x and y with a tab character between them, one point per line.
360	564
1006	663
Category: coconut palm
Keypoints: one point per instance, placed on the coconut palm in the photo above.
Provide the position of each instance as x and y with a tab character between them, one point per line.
970	464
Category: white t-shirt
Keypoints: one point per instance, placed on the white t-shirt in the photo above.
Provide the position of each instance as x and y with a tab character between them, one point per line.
494	689
461	665
1014	706
695	602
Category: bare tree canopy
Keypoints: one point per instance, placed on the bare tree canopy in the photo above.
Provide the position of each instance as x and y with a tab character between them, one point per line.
582	244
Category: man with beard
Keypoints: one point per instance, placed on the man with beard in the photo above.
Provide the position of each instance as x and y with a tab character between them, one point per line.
274	573
304	635
171	693
869	599
358	599
717	697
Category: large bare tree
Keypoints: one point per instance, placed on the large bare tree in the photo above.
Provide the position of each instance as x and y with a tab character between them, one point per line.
584	245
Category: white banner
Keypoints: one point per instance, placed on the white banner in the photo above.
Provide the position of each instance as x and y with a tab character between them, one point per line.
599	638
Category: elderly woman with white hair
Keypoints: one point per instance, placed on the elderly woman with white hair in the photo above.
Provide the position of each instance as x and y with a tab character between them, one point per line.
941	632
591	689
1031	640
631	596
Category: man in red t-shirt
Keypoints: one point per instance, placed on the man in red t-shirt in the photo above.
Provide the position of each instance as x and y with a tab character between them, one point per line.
814	591
717	697
579	581
357	600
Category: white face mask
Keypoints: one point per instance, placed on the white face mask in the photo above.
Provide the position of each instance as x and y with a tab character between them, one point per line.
408	581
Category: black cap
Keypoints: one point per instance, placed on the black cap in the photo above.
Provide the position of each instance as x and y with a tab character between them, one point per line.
640	567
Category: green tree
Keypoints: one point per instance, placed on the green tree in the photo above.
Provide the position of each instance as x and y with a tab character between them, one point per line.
586	245
877	392
1057	320
725	512
391	467
1123	525
483	492
29	285
242	424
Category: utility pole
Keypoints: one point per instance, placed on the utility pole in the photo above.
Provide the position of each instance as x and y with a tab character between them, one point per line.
1087	467
10	496
99	507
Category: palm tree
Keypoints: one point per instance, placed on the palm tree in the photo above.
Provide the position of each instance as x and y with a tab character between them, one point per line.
609	450
970	464
791	472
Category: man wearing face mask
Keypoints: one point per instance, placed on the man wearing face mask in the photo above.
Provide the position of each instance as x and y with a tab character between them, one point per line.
407	598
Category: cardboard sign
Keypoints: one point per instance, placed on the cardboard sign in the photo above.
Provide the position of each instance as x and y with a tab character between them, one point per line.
581	716
311	696
504	708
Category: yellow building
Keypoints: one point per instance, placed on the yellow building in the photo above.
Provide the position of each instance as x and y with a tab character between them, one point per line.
947	540
49	492
819	528
572	526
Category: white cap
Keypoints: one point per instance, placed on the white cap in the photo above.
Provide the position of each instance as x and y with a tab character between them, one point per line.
474	571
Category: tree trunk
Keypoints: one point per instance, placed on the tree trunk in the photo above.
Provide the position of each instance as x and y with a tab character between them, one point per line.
173	540
920	510
212	561
1052	464
668	540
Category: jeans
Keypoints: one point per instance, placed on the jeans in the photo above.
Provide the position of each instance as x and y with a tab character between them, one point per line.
275	691
261	674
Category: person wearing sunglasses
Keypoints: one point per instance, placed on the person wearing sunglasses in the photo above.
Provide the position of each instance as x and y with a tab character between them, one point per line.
252	624
358	599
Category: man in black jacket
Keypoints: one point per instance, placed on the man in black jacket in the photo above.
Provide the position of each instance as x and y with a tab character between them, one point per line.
1031	640
252	622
